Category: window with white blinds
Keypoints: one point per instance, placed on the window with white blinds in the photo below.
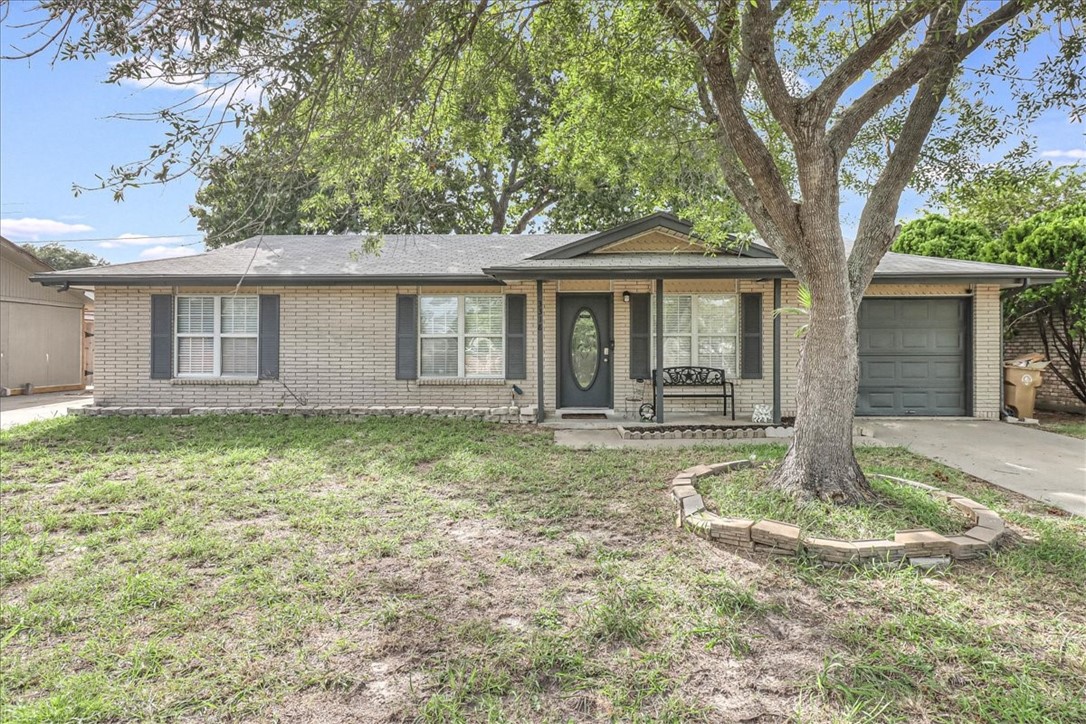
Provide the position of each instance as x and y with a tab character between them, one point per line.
217	336
701	331
462	336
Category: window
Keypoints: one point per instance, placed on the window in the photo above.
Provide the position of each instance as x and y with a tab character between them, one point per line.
462	336
217	336
701	330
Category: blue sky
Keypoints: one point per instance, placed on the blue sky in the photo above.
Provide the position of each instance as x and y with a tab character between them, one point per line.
56	130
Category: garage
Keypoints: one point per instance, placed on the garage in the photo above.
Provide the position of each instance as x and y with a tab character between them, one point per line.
914	356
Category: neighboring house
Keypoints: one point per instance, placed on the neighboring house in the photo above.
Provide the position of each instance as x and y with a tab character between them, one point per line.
41	331
459	320
1053	394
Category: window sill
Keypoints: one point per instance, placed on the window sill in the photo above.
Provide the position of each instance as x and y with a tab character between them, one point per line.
214	381
462	382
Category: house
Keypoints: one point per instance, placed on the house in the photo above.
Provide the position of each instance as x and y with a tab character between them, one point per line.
550	322
41	331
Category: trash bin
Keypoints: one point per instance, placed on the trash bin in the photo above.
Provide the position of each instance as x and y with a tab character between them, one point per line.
1021	378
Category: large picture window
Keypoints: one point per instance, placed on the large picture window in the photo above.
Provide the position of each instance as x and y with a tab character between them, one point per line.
216	336
701	330
462	336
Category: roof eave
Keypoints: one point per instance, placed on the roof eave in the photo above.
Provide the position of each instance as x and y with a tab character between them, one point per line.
513	273
265	280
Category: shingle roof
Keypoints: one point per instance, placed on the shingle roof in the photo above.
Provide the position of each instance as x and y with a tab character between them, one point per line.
892	266
473	259
328	259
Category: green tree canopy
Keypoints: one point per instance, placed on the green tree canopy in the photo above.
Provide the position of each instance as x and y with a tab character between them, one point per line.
62	257
936	235
777	105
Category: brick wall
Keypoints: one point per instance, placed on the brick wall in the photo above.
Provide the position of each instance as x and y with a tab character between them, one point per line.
337	347
1053	393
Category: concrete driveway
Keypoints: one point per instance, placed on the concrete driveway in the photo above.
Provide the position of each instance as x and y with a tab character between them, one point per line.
1042	465
27	408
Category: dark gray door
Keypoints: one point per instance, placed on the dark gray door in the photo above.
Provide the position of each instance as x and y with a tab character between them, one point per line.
914	357
584	350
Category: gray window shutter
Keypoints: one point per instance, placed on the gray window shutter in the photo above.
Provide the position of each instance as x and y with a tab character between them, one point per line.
407	346
269	337
751	331
516	336
161	336
640	336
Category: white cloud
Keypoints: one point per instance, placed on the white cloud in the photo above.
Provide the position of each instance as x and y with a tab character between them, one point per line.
1069	154
30	229
211	90
167	252
130	239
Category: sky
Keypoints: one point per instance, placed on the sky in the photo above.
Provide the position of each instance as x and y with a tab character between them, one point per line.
57	129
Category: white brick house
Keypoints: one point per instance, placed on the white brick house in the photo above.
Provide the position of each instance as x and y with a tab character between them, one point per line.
538	320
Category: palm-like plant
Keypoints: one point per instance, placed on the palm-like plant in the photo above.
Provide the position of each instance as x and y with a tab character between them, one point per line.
804	307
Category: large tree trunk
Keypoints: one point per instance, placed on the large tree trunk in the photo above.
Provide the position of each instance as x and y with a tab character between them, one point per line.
821	462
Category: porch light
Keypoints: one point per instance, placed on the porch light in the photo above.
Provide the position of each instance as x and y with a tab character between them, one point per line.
626	297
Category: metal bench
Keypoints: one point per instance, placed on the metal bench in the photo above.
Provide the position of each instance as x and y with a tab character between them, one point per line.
693	377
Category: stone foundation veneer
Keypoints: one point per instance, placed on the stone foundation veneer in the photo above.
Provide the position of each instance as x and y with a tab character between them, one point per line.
919	547
519	415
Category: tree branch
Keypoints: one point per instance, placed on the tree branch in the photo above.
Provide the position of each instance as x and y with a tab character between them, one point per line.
878	96
876	231
853	67
758	26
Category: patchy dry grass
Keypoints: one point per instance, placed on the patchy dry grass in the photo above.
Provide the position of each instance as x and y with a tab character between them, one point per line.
747	494
249	569
1063	423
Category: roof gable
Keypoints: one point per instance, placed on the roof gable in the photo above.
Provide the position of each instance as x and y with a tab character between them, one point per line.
658	232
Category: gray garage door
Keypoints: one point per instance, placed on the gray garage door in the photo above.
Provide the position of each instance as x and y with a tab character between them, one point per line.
913	357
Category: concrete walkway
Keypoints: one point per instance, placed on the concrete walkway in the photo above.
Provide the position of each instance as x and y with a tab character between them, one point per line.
1042	465
27	408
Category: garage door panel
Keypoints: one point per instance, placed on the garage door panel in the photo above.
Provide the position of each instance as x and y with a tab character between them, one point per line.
880	311
878	371
915	313
878	339
948	340
912	357
951	370
915	339
915	370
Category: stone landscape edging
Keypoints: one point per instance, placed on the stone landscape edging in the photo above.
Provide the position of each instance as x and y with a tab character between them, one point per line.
918	547
721	433
510	414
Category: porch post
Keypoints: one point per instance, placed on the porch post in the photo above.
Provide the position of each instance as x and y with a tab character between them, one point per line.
776	352
539	350
658	386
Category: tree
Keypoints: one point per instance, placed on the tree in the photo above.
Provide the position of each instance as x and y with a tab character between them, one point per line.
477	162
790	101
1053	239
999	197
61	257
935	235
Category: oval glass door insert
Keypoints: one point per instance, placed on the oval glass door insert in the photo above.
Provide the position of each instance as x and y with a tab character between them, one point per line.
585	348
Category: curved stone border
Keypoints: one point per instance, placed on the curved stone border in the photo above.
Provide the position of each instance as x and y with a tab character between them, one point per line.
489	414
721	433
919	547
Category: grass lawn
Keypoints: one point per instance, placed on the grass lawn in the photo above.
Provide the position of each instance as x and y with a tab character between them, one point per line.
746	494
1064	423
254	569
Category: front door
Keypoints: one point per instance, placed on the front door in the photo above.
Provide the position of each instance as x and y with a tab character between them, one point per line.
585	349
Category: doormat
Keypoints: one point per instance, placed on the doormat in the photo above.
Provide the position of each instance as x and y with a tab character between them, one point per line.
583	416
